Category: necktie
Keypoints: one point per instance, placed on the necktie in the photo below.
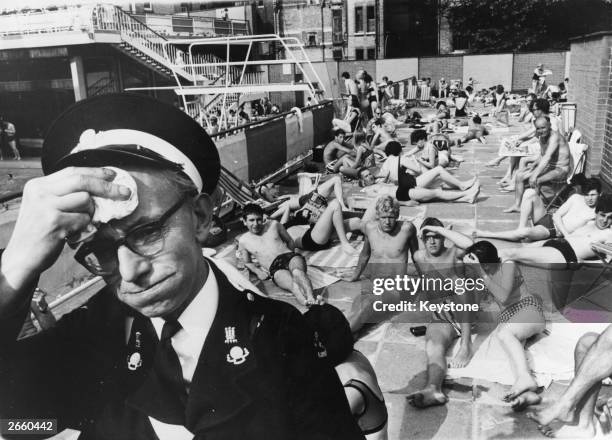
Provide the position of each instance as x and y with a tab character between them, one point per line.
170	374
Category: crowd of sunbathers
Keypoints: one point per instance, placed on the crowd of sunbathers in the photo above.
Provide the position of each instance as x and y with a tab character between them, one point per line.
391	175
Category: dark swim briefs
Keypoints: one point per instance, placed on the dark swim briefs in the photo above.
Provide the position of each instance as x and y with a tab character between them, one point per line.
547	222
406	182
562	245
308	244
281	263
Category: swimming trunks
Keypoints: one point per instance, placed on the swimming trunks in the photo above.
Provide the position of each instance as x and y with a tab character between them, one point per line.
281	263
374	416
547	222
308	244
460	112
405	182
563	246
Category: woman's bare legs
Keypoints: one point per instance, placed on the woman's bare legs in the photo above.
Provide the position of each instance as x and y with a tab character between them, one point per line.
429	177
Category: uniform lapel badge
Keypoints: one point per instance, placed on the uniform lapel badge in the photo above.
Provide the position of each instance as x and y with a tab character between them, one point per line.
237	355
230	335
134	361
321	351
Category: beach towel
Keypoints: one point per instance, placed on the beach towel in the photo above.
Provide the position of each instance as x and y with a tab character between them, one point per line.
550	356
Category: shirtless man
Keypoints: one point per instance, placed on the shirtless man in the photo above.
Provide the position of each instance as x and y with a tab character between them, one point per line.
438	261
335	148
350	164
572	415
554	164
573	214
274	248
476	131
387	245
573	247
540	107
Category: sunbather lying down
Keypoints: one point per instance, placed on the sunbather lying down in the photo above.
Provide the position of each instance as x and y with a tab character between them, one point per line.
411	190
536	224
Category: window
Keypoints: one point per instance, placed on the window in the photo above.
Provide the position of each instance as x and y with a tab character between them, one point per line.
371	54
371	17
312	39
359	54
337	36
147	6
461	42
359	20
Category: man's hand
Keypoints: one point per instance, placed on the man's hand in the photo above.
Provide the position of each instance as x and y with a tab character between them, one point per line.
52	208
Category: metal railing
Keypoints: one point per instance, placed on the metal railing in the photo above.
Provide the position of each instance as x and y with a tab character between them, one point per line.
71	18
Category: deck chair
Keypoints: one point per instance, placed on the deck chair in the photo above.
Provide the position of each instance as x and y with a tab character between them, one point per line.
411	94
242	193
565	188
425	95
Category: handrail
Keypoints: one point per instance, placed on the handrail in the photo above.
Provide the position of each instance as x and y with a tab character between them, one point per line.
11	196
271	118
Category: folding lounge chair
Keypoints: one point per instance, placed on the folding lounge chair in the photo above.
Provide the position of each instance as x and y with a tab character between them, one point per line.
425	95
564	188
411	94
242	193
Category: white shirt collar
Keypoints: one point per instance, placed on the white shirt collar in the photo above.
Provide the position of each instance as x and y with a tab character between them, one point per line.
198	317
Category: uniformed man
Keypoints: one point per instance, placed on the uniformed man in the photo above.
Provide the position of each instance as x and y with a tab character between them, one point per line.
169	348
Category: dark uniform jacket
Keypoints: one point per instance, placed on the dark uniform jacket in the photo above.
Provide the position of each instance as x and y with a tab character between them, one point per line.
78	374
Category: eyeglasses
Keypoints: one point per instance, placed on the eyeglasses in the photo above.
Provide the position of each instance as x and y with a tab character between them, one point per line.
100	256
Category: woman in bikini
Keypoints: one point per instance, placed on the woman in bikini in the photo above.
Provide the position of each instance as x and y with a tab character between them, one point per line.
521	316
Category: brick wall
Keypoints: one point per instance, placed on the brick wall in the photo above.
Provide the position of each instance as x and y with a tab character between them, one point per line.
606	155
299	20
589	88
525	63
448	67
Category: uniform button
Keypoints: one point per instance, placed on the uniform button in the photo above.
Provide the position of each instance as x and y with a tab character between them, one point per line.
250	296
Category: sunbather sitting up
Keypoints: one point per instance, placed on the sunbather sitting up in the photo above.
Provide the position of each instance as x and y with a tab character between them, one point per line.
335	148
475	131
554	163
274	249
